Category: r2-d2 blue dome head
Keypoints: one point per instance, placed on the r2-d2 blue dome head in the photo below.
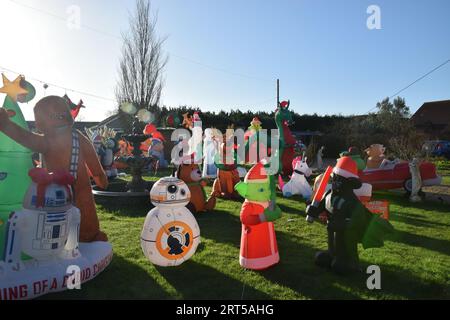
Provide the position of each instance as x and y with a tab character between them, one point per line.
56	198
49	191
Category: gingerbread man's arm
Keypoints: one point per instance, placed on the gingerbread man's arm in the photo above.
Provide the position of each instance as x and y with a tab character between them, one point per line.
92	161
30	140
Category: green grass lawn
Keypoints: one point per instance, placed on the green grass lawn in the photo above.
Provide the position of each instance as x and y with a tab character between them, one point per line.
415	261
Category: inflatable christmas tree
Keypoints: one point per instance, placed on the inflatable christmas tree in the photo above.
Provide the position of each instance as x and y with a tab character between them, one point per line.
15	160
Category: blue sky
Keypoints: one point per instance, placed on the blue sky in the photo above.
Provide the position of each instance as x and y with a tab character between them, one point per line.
327	60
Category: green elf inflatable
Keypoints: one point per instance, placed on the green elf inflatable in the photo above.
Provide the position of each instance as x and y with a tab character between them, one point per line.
259	248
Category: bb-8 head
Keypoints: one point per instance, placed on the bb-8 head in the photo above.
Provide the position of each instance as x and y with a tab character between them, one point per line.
170	192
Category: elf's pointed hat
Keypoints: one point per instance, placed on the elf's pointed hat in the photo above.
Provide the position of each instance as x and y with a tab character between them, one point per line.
257	174
346	167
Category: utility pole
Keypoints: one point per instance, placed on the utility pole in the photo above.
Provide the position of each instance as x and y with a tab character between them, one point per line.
278	93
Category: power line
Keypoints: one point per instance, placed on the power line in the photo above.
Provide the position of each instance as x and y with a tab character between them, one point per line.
415	81
61	87
219	69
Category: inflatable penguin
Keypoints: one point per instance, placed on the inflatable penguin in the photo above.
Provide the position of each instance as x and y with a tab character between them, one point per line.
170	234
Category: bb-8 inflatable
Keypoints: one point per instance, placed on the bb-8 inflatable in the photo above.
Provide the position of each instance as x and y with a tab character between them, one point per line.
170	234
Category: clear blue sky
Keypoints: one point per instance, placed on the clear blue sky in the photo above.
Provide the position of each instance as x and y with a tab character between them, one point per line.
327	59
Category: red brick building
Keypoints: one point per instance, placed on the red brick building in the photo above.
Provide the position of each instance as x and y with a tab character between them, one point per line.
433	118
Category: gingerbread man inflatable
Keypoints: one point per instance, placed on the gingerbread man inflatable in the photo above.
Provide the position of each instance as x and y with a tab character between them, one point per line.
64	148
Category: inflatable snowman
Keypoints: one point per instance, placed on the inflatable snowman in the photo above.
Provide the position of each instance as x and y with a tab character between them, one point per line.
170	234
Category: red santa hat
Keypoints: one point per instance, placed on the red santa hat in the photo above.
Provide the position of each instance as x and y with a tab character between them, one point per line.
346	167
284	104
257	174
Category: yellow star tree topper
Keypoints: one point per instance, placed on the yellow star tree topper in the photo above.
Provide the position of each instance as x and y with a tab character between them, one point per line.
12	88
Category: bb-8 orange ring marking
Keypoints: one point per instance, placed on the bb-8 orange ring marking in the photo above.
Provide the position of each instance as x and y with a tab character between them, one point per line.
165	229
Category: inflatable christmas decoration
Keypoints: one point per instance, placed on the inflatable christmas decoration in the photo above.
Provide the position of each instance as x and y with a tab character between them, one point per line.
153	132
210	149
319	158
256	141
15	159
156	150
353	152
42	241
227	171
375	155
283	119
298	183
172	121
190	173
63	148
299	148
170	234
196	141
74	108
106	145
258	240
348	220
187	121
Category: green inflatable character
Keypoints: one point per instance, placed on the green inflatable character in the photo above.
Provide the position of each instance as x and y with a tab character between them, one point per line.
353	152
15	160
259	248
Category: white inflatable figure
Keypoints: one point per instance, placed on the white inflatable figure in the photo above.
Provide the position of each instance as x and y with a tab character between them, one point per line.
298	183
170	234
46	229
416	180
210	149
196	142
320	158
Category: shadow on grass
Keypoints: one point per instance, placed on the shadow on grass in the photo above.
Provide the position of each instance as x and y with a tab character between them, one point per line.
296	269
289	209
126	208
298	272
415	220
120	280
198	281
415	240
401	282
229	230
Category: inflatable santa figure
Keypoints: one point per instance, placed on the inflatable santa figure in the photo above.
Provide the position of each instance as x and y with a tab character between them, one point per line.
258	240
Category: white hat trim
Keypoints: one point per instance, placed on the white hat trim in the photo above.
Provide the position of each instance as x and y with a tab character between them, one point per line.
344	173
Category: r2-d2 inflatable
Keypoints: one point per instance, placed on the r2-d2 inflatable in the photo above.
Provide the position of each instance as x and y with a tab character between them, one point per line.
170	234
47	227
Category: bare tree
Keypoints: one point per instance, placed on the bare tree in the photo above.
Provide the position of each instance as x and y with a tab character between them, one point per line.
142	63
